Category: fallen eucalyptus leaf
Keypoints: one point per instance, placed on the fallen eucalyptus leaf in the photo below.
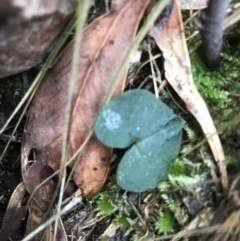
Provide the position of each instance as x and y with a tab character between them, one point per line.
138	119
171	40
36	218
105	43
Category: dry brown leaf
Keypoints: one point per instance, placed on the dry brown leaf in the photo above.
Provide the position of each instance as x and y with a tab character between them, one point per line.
171	40
104	45
36	218
14	214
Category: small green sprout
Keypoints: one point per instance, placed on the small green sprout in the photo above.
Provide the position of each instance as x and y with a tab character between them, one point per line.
179	212
177	167
166	223
121	221
104	206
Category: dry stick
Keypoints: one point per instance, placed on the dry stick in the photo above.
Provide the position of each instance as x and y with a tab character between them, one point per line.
53	218
144	82
190	18
162	86
135	72
153	73
159	79
162	83
196	32
82	14
144	30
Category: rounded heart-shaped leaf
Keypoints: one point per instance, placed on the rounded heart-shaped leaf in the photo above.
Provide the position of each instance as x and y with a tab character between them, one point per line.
140	120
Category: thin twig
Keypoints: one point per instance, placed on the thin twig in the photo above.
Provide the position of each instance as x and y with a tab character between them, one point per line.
69	206
153	73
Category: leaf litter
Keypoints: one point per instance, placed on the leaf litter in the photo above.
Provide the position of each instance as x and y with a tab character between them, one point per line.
53	166
170	39
111	33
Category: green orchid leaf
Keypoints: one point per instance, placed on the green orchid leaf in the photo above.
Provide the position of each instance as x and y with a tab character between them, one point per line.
140	120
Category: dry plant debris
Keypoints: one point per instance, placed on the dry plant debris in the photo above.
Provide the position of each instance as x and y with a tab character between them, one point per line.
104	45
170	39
105	42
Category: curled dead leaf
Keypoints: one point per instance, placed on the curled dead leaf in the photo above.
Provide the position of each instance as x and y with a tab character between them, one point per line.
171	40
36	218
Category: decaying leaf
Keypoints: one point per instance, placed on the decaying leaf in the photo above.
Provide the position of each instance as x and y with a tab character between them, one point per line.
36	218
104	45
28	29
170	39
15	212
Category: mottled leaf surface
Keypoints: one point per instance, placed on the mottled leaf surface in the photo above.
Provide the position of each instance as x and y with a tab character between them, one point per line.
138	119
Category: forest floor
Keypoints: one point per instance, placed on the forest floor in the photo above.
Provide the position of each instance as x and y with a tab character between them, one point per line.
190	205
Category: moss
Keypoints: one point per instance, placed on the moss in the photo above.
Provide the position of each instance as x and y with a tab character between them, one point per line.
166	223
121	221
211	85
104	205
112	201
177	168
216	87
